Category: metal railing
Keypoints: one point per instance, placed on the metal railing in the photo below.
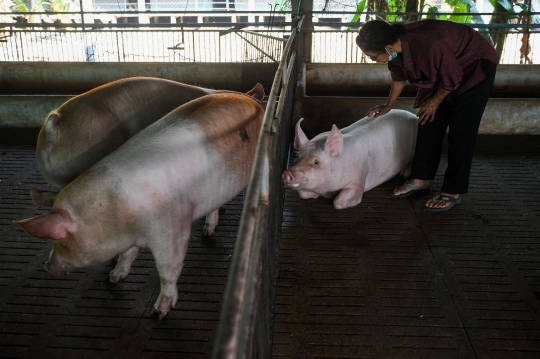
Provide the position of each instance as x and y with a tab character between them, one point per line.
330	46
160	37
232	36
246	324
333	40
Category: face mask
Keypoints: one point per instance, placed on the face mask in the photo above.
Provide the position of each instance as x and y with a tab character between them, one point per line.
391	56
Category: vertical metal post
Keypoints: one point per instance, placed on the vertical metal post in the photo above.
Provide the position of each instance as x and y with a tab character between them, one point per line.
528	16
82	15
299	8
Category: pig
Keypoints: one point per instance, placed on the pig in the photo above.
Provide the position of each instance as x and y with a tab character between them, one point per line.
352	161
89	126
148	192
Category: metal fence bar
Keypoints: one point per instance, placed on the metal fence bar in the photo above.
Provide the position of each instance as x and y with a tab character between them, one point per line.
331	46
48	41
245	327
142	46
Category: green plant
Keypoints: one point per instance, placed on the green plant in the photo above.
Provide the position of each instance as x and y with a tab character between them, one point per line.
20	6
461	6
503	11
360	7
61	6
396	6
282	5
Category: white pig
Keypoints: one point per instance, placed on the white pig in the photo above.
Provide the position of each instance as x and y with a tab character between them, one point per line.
148	192
89	126
349	162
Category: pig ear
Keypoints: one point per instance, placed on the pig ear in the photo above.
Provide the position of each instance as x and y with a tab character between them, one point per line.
53	226
300	138
334	142
257	92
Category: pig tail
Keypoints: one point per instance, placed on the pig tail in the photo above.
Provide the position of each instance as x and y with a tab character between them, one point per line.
374	35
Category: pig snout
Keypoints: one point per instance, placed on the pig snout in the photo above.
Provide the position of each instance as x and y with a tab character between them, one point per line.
56	268
288	179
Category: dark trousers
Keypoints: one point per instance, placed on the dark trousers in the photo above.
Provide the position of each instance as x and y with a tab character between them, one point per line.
462	119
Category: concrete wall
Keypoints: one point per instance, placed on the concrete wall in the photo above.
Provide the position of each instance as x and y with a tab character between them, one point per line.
328	93
27	111
514	106
72	78
374	80
502	116
29	91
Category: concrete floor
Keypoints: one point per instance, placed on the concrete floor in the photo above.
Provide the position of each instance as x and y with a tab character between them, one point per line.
381	280
386	280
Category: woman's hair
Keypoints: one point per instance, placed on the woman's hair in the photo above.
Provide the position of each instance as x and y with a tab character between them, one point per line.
376	34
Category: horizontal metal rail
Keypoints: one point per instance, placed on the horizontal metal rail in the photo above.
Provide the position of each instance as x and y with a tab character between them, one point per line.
81	40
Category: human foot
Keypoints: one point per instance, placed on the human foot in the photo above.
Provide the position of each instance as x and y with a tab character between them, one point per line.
410	188
442	202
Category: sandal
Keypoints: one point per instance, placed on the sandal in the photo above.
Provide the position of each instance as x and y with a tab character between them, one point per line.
451	203
414	190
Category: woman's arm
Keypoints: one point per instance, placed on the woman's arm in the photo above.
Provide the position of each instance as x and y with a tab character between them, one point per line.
395	90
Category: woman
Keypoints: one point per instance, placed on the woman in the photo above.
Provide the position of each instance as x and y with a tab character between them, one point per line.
453	67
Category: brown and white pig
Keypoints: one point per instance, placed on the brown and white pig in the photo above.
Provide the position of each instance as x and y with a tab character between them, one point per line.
148	192
89	126
352	161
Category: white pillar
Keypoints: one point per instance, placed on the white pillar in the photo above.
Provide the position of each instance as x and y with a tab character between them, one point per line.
87	5
251	7
141	6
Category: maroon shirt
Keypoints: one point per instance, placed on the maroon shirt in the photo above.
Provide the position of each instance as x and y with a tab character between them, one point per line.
441	53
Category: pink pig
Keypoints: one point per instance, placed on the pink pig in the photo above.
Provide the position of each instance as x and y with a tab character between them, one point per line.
148	192
89	126
352	161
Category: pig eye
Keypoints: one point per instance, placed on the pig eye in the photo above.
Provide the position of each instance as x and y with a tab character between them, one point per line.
316	162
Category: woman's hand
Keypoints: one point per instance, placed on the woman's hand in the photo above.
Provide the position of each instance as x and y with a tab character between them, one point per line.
378	110
427	110
430	105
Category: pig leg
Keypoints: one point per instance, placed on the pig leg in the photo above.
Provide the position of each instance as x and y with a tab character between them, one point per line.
211	223
123	266
169	257
305	194
349	197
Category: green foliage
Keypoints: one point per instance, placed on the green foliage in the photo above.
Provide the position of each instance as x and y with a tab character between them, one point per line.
360	7
460	7
20	6
282	5
59	5
433	13
395	6
505	11
503	5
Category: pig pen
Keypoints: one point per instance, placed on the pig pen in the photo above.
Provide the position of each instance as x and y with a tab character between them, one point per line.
380	280
386	279
83	315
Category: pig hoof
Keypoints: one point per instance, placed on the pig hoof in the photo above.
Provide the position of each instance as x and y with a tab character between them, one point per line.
161	313
207	233
115	277
163	306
